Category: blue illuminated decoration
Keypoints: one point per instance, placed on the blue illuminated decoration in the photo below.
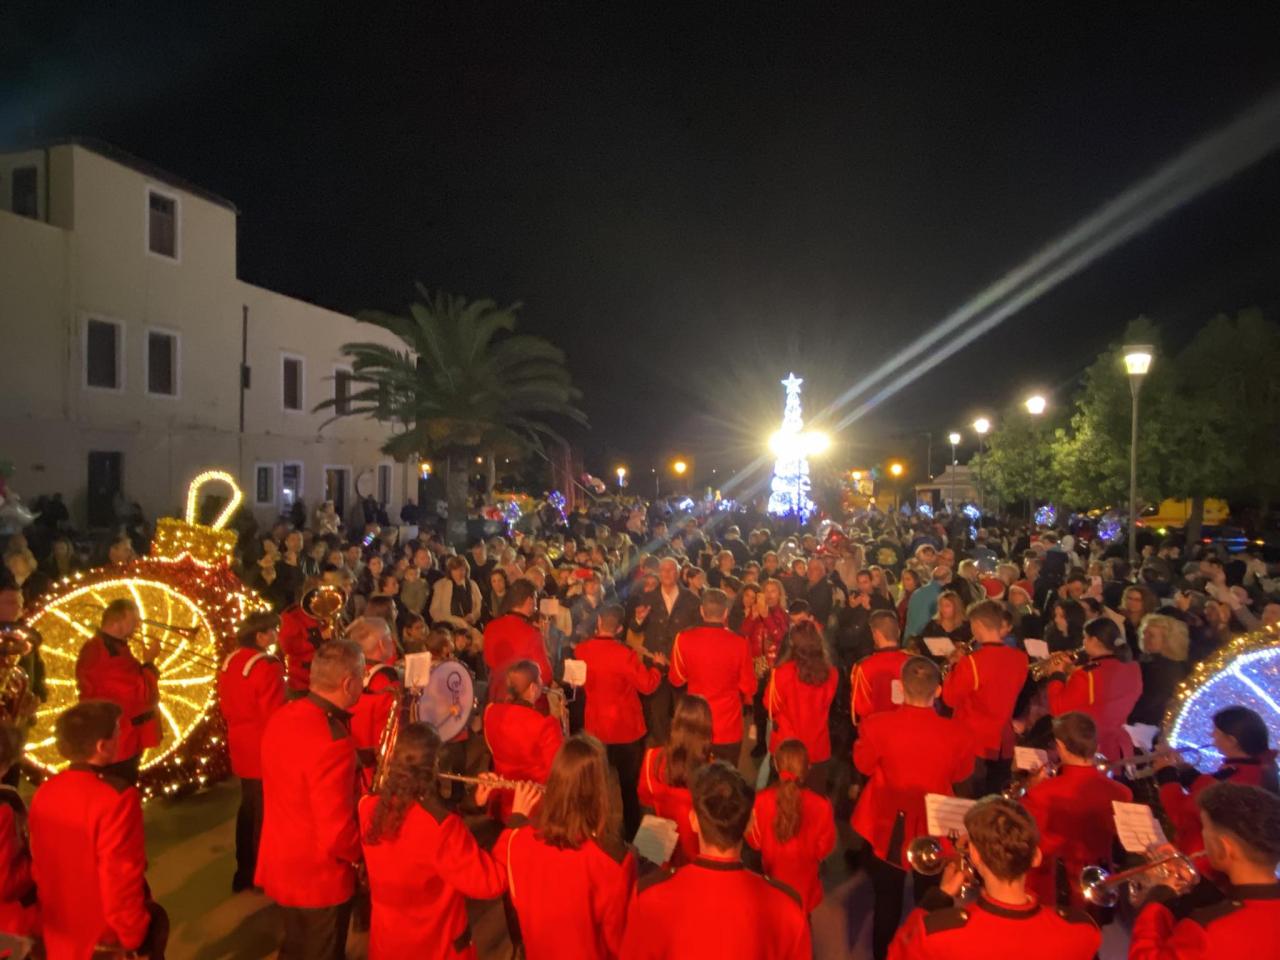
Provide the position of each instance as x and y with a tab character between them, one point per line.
789	488
1047	515
511	513
1109	528
925	510
557	500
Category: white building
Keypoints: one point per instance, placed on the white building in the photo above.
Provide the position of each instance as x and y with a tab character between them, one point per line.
124	331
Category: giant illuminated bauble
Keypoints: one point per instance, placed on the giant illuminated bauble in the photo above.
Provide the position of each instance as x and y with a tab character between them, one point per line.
1246	673
189	599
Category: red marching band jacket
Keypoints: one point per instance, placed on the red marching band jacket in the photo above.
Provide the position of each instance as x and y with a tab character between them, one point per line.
310	841
716	665
1106	689
668	802
572	903
89	863
801	711
381	695
872	682
18	911
508	639
716	908
795	862
523	741
419	882
905	753
1077	826
250	690
765	634
106	669
616	677
1195	927
985	929
982	689
1179	803
300	637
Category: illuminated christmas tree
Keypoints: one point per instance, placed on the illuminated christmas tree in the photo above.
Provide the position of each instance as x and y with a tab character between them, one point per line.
789	489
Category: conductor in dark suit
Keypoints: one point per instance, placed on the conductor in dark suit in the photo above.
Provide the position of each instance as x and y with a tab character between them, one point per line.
659	616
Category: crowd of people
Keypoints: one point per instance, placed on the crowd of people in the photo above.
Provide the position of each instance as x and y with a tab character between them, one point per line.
778	701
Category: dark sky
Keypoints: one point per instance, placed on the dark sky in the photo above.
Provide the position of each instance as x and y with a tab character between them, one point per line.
693	199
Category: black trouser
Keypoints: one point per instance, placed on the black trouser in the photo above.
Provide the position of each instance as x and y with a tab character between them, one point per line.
453	759
728	752
759	715
888	884
989	776
318	933
126	770
658	708
248	832
626	759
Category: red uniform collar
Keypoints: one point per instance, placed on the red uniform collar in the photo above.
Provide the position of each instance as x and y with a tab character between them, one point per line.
328	708
1007	910
716	863
1256	891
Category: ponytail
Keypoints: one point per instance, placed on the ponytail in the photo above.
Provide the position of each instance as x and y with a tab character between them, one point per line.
791	760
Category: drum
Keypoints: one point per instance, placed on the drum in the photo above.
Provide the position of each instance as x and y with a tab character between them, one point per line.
448	699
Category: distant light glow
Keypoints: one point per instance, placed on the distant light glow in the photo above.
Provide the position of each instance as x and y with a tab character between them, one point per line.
1036	404
680	467
896	469
981	426
1047	515
1137	359
791	446
953	439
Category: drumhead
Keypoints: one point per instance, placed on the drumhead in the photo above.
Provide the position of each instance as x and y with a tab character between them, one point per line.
448	699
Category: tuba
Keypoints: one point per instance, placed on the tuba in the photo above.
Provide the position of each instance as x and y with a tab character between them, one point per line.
17	640
326	603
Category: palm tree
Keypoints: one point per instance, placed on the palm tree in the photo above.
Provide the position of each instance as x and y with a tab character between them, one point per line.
464	383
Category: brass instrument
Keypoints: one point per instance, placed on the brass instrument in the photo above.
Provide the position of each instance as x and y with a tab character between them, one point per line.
1043	669
390	734
326	603
926	857
1100	886
16	702
187	632
1139	762
1021	783
495	783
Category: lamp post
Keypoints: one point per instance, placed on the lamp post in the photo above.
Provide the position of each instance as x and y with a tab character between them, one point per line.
1036	405
981	427
622	477
1137	361
895	469
955	441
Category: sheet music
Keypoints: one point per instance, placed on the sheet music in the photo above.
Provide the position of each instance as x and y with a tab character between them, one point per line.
1029	758
1036	649
939	646
946	814
1137	826
656	839
575	673
417	670
896	693
1143	735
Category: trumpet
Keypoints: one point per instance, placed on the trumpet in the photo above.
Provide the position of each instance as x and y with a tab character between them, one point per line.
1021	783
1043	669
1100	887
1139	763
495	783
926	856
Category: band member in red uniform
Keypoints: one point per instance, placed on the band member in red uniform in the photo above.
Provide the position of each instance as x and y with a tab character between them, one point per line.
667	771
799	701
569	878
982	689
250	690
521	738
794	828
876	676
382	685
106	669
1073	810
87	854
18	914
422	860
310	838
515	636
1241	829
904	753
616	677
715	664
1005	920
1240	735
714	906
301	635
1106	687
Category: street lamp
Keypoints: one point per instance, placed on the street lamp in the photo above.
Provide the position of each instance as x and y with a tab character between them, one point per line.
895	470
1137	362
1035	404
954	438
622	476
981	427
680	467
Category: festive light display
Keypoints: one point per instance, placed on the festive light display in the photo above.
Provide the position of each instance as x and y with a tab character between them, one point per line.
789	488
1245	672
557	500
1109	528
1047	515
191	602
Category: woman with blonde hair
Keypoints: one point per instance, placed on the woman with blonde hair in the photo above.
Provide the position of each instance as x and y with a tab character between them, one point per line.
1165	643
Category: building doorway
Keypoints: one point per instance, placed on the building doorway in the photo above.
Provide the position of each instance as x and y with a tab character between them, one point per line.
105	482
337	480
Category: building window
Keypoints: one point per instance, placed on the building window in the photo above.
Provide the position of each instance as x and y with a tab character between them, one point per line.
162	224
264	484
290	483
102	355
162	363
23	199
384	484
291	377
341	391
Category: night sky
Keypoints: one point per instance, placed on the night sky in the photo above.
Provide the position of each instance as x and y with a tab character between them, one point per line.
694	201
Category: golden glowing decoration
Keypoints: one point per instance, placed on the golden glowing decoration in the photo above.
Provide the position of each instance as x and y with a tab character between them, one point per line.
191	601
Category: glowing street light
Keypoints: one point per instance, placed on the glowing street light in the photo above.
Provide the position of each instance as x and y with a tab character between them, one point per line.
1137	362
1035	404
954	438
622	476
896	469
680	467
982	426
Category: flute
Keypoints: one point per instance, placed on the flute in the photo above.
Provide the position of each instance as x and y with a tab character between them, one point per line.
494	783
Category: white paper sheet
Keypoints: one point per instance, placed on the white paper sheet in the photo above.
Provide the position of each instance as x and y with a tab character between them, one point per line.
1143	735
575	673
1036	649
896	693
1029	758
1137	826
417	670
656	839
939	646
946	814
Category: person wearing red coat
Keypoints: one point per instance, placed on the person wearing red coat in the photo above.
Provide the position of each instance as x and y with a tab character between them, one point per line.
793	828
905	754
310	838
1073	812
381	693
250	690
616	677
799	701
106	669
714	907
668	770
569	879
521	738
1241	828
715	664
513	637
982	690
876	680
765	625
1241	736
1005	920
301	635
87	853
18	913
422	861
1106	687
